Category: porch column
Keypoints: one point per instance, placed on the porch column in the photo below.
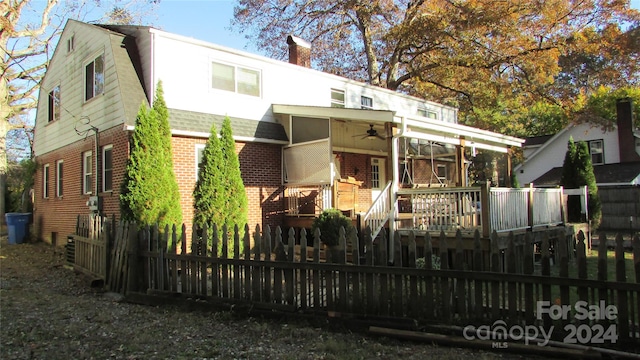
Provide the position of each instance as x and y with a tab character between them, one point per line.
507	180
461	179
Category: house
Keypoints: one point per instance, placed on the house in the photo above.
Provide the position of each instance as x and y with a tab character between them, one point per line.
306	140
615	155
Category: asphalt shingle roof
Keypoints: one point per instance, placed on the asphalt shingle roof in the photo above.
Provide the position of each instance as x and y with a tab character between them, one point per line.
201	122
621	173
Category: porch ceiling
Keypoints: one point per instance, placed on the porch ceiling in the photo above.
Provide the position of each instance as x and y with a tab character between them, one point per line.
450	133
370	116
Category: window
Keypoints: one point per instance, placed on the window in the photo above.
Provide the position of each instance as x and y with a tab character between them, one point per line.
107	168
375	173
45	181
441	171
337	98
54	104
596	149
428	113
94	78
59	175
199	153
236	79
71	44
87	163
366	102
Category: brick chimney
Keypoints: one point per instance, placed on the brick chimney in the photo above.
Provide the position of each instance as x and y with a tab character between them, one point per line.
626	140
299	51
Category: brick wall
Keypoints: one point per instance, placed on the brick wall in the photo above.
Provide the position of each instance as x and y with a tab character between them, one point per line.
260	166
55	217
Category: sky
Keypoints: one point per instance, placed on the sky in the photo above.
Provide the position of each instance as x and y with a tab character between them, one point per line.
209	20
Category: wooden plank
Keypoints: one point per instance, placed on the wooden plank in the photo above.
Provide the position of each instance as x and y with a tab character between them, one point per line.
256	271
278	273
317	289
545	271
289	274
224	267
623	300
461	296
414	301
495	285
429	281
237	279
203	246
304	302
528	270
267	270
478	302
215	264
247	269
445	289
511	286
398	286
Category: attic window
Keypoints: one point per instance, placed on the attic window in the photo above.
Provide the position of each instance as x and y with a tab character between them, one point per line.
94	78
337	98
428	113
596	149
235	79
71	43
366	102
54	104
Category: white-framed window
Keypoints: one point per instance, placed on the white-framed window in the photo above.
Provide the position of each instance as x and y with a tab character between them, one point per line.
199	153
596	149
59	178
428	113
87	167
337	98
94	78
366	102
375	173
107	168
54	104
71	43
45	181
441	171
235	79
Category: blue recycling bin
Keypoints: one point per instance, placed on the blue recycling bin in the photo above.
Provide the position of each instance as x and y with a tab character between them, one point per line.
18	224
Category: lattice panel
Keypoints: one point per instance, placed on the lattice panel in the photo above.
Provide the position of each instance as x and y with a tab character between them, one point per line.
308	163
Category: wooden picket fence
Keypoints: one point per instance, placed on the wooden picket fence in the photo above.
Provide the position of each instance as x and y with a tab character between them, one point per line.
89	248
273	275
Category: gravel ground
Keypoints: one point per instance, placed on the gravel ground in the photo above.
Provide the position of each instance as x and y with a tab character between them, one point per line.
49	312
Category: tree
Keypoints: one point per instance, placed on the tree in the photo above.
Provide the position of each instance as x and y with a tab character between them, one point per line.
478	55
29	31
149	192
219	196
577	171
237	205
600	107
208	195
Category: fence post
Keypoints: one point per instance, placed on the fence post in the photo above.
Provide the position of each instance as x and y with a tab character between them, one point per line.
623	296
530	206
132	251
484	213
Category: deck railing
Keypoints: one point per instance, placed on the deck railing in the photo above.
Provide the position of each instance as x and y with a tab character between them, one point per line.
484	208
379	212
440	208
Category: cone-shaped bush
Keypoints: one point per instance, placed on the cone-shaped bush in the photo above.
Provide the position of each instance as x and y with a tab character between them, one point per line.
237	202
209	193
577	171
149	191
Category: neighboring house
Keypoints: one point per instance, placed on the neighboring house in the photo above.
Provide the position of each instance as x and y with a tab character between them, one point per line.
613	153
615	156
306	140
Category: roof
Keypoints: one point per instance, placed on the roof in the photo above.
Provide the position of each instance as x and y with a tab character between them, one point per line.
608	174
536	140
199	125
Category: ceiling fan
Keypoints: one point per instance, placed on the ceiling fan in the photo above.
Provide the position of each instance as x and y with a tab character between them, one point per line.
372	134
